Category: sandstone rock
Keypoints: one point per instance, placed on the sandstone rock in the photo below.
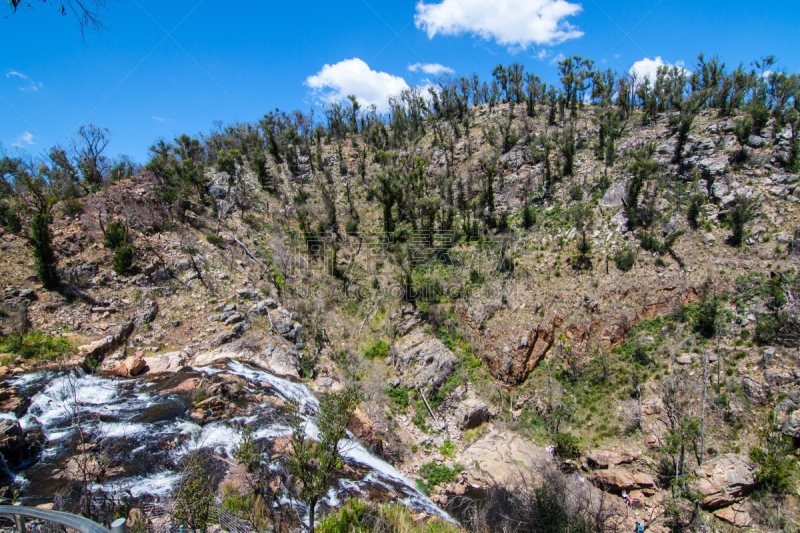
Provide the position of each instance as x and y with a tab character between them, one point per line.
733	516
471	413
132	366
723	480
605	459
361	426
169	362
423	362
756	392
616	480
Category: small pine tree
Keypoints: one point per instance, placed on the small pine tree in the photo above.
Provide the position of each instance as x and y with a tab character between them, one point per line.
44	256
123	260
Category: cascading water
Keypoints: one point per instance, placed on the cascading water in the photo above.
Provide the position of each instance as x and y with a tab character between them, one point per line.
147	432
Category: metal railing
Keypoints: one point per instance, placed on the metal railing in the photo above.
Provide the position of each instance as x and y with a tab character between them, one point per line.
78	523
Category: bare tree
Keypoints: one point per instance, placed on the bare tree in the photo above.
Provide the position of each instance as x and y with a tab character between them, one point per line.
89	144
86	11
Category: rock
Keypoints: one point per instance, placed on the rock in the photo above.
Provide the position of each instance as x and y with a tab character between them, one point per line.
98	349
471	413
604	459
216	191
423	362
713	166
247	294
724	480
684	359
755	141
233	319
791	426
223	338
361	426
169	362
132	366
17	445
617	480
756	392
733	516
501	457
17	404
709	239
720	188
148	315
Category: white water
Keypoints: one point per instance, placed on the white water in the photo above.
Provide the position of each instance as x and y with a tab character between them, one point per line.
111	408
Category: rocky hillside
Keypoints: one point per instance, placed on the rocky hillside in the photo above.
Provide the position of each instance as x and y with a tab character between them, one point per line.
506	290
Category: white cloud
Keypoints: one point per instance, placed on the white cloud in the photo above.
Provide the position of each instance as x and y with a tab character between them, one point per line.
162	119
512	23
31	85
431	68
352	76
648	68
558	58
26	139
542	54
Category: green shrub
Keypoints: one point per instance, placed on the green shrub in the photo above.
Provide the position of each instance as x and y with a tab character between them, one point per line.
214	240
115	235
776	468
123	260
434	474
378	350
625	260
399	396
38	346
72	207
567	446
576	193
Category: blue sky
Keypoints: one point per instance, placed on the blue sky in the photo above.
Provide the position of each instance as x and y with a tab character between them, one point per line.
166	68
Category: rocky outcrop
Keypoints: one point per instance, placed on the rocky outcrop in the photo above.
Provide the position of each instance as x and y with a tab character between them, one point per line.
501	457
617	480
169	362
270	354
17	445
724	480
471	413
98	349
148	315
422	362
11	401
606	459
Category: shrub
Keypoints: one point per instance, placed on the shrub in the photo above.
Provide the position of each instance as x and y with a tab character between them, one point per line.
399	396
434	474
378	350
567	446
773	458
38	346
625	260
114	235
72	207
123	260
576	193
214	240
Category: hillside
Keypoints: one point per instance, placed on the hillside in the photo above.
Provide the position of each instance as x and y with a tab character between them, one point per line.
616	284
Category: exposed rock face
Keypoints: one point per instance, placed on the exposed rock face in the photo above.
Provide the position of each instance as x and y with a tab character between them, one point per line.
605	459
791	427
361	426
733	516
170	362
471	413
723	480
271	354
422	362
756	392
617	480
148	315
501	457
98	349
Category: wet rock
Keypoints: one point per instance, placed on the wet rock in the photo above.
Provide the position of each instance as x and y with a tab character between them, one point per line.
471	413
17	445
423	362
11	401
724	480
605	459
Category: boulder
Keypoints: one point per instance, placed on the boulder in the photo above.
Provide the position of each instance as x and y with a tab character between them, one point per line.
169	362
605	459
684	359
733	516
148	315
131	366
16	445
756	392
724	480
11	401
98	349
617	480
501	457
423	362
471	413
791	427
